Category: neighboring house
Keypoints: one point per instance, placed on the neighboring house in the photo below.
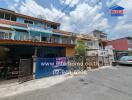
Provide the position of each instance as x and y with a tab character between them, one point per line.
122	44
91	43
121	47
96	47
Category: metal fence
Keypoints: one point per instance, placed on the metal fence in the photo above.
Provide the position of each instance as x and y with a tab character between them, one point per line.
85	62
25	70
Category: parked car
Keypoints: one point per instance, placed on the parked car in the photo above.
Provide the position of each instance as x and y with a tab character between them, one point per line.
127	60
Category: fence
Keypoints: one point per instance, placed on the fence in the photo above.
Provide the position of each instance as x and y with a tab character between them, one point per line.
85	62
25	70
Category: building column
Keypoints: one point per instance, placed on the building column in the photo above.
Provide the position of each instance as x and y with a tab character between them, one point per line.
34	62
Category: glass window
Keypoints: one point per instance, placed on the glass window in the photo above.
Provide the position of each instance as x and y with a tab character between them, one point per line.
4	35
44	38
1	35
54	26
28	21
13	18
1	15
7	16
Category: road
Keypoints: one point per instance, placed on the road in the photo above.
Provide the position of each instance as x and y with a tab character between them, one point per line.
105	84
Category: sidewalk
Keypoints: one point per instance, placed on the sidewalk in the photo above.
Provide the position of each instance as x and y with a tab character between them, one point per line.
16	88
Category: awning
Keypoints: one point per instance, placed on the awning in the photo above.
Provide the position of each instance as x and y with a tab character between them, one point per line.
20	28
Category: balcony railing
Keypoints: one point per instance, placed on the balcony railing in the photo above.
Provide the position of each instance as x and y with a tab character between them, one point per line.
13	23
40	28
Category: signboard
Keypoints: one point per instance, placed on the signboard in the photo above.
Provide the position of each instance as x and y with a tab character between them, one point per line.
116	10
50	66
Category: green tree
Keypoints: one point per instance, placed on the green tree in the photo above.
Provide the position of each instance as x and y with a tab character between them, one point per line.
81	48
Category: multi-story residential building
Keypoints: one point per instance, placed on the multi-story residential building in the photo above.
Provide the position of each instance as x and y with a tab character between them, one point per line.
23	37
21	29
96	47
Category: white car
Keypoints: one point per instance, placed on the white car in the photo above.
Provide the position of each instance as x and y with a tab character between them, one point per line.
125	60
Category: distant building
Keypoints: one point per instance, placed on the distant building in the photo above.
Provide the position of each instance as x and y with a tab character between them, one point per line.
121	47
99	34
122	44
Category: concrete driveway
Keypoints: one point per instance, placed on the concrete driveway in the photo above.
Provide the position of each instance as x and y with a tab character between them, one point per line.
105	84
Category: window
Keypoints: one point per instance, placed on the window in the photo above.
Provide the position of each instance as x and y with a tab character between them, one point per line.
4	35
28	21
90	43
44	38
13	18
1	15
7	16
54	26
1	35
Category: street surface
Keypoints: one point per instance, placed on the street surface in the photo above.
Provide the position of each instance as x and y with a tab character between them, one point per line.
105	84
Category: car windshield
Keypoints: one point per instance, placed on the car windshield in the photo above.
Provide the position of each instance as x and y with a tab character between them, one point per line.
126	58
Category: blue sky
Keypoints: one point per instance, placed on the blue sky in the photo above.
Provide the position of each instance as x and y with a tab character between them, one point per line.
79	16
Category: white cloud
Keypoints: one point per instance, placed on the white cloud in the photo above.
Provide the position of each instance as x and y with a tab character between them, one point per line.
71	3
30	7
83	19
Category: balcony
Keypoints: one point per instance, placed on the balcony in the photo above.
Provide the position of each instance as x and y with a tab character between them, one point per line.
39	28
13	23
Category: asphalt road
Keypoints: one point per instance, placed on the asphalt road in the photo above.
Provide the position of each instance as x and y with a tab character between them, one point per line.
106	84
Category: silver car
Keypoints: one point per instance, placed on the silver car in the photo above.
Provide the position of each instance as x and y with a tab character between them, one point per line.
125	60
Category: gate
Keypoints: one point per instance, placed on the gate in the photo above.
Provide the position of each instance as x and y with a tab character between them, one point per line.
25	70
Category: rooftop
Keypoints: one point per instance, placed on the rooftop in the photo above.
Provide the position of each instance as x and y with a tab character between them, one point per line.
28	17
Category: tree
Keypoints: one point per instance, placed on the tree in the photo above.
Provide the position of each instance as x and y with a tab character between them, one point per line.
81	51
81	48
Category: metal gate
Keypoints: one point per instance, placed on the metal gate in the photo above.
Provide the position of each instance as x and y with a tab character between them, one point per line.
25	70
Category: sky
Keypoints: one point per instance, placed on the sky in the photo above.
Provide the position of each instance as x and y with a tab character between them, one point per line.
78	16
